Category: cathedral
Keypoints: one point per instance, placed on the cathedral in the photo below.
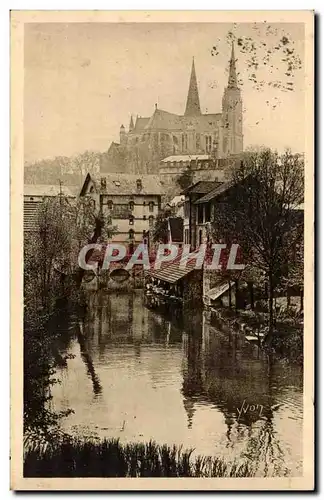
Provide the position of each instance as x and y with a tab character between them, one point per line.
150	140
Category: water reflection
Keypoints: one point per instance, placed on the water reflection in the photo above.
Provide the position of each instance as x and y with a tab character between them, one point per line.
179	379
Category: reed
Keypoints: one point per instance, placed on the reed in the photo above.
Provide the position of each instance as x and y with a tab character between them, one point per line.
110	458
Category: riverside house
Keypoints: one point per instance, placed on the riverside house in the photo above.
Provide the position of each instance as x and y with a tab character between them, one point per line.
133	201
35	195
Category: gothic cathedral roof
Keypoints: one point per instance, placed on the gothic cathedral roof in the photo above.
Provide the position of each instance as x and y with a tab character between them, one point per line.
193	104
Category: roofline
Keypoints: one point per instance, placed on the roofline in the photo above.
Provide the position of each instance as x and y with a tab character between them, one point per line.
229	185
85	184
185	191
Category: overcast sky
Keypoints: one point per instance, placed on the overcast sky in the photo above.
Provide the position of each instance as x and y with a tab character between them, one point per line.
82	81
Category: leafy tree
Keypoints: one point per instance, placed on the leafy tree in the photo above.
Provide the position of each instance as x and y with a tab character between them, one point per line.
50	254
160	230
186	178
259	211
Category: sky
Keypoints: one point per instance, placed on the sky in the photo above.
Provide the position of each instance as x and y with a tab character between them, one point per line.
83	80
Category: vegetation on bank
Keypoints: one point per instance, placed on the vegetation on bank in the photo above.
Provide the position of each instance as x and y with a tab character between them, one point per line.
51	291
110	458
288	341
261	209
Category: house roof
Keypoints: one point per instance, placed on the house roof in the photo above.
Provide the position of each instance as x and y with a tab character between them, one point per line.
171	272
221	188
202	187
46	190
218	291
174	273
176	228
125	184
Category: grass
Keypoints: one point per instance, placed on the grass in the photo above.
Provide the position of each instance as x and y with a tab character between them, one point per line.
110	458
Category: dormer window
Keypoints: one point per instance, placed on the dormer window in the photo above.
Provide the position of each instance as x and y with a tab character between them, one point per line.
103	183
139	184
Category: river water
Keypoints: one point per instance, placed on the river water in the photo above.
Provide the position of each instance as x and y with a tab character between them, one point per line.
137	375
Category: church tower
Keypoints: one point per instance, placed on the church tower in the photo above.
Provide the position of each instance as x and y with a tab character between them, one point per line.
232	117
131	124
193	104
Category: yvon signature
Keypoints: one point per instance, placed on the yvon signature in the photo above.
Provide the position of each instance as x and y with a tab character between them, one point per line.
247	408
256	409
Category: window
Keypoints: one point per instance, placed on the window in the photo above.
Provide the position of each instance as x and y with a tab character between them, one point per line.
200	237
131	220
131	205
200	214
131	234
207	212
31	199
110	204
139	184
208	140
151	206
151	220
144	217
186	209
91	190
198	141
103	182
186	236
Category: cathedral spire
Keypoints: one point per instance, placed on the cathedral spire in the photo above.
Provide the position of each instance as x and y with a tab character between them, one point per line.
193	105
232	78
131	124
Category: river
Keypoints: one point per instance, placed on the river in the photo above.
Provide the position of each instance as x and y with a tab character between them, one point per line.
137	374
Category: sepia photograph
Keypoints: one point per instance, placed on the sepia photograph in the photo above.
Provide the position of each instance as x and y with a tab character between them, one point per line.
162	209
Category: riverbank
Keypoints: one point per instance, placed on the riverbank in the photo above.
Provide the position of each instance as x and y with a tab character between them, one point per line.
110	458
287	341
